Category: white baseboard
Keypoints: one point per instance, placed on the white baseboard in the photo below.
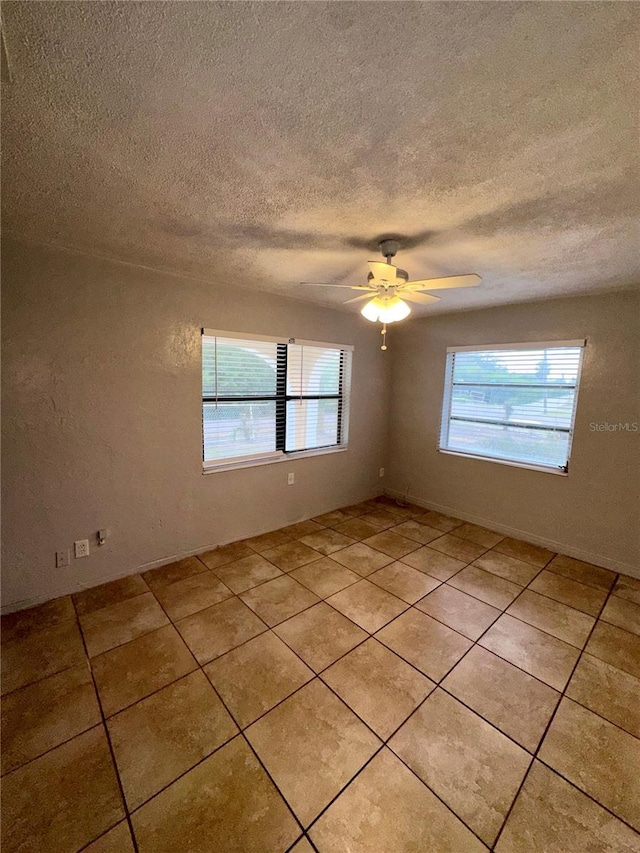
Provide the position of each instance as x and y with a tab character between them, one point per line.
525	535
73	587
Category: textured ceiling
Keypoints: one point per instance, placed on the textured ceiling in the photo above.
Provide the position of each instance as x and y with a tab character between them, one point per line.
268	143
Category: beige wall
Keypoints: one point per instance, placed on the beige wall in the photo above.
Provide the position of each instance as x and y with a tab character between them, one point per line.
102	420
592	514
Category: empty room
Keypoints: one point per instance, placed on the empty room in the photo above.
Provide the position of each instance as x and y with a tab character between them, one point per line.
321	420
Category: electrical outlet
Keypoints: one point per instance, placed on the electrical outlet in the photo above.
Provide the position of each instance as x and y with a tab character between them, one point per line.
62	559
81	548
381	472
291	478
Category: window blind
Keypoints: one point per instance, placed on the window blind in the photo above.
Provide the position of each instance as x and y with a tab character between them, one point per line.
265	397
512	403
315	382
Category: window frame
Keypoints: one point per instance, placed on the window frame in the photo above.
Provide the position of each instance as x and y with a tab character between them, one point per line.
281	398
445	422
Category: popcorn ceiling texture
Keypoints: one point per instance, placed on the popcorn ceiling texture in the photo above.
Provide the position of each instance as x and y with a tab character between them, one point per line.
262	144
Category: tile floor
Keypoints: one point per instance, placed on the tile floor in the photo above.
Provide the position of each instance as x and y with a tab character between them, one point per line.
380	678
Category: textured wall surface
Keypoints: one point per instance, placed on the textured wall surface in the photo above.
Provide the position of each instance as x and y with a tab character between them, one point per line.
269	143
594	513
102	420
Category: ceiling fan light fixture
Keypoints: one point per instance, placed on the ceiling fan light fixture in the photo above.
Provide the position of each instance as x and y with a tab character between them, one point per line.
386	310
372	308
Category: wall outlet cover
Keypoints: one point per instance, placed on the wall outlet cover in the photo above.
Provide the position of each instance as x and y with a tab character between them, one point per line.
81	548
62	559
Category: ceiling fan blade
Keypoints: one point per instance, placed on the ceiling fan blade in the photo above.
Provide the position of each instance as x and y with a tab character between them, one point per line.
422	298
333	284
383	272
360	298
447	281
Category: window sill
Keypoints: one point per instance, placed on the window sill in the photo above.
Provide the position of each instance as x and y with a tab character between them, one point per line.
283	457
531	466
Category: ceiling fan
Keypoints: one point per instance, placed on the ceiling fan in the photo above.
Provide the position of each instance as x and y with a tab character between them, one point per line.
388	289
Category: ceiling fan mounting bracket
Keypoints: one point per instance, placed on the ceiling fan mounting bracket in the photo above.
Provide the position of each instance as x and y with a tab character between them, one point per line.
389	247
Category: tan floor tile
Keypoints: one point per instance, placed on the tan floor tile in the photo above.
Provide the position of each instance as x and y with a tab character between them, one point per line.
229	798
311	745
279	599
378	685
388	810
391	543
598	757
628	588
459	611
551	616
585	598
330	519
327	541
291	555
380	518
446	523
320	635
516	571
615	646
62	800
109	593
578	570
173	572
430	646
547	658
267	541
367	605
187	596
38	654
513	701
220	628
256	676
120	623
15	626
362	559
302	528
226	554
324	577
608	691
45	714
551	816
533	554
247	572
479	535
356	528
117	840
129	673
164	735
486	586
623	613
404	582
421	533
459	549
433	563
465	761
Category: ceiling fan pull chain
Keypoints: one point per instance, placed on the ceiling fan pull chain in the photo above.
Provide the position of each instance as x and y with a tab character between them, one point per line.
383	332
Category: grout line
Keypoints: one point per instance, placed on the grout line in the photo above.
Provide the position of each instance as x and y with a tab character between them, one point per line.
551	719
108	737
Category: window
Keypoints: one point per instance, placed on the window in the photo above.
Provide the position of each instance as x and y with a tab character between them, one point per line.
513	403
263	398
